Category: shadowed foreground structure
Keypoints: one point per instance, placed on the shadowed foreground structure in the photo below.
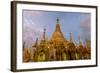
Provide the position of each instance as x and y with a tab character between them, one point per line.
57	48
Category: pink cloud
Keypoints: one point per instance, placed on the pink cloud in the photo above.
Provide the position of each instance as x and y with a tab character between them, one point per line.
30	34
31	13
85	25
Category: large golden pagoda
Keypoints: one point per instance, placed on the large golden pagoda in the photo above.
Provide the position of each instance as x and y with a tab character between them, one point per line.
57	48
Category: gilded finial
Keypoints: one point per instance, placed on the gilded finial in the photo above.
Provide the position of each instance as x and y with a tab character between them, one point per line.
57	19
36	43
71	40
58	25
44	33
80	43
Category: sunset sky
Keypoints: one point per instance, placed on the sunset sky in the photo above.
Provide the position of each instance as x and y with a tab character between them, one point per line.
70	22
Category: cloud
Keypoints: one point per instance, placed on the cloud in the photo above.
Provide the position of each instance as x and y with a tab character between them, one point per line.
30	32
31	13
85	26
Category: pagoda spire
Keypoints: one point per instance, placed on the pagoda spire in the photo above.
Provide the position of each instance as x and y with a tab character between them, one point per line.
44	33
36	43
71	39
43	37
88	44
79	40
57	25
43	40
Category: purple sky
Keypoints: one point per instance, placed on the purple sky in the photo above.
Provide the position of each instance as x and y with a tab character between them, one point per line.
70	22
